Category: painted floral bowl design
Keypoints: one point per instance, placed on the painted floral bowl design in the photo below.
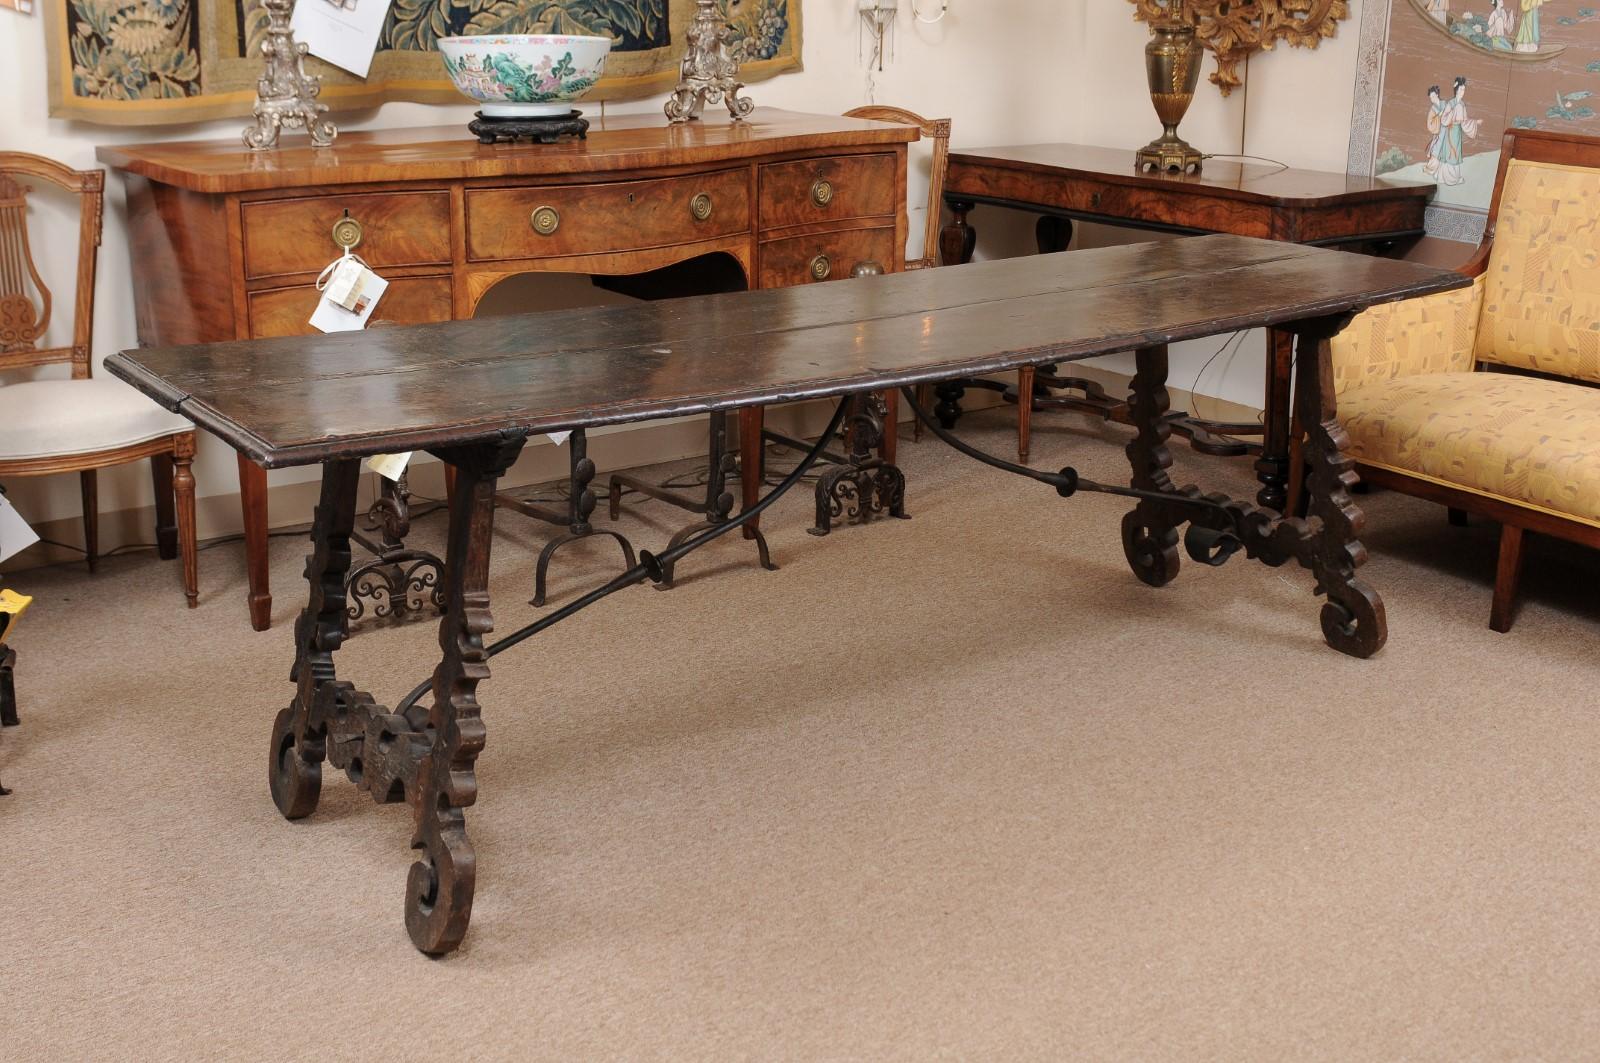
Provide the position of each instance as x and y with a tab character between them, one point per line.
525	75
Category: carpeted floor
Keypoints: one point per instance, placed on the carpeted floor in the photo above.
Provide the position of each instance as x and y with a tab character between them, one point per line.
952	787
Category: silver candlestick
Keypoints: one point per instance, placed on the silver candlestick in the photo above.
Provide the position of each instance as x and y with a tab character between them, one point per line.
710	69
285	94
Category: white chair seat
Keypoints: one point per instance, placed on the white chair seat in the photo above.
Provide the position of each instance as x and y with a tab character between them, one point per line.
48	418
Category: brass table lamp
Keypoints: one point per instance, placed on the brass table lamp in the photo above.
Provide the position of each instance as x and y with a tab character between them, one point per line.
1172	62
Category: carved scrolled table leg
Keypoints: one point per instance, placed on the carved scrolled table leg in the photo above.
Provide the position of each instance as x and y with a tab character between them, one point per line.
1353	619
1149	534
440	885
298	738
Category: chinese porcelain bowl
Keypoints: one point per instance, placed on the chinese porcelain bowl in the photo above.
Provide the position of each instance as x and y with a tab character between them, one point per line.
525	75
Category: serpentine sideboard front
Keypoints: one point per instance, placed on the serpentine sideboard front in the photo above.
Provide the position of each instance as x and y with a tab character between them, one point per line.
227	243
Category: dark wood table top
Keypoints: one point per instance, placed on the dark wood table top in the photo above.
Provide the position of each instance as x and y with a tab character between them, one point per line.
1257	181
301	400
621	142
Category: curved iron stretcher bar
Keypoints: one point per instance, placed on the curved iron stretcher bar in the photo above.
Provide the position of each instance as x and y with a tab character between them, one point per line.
651	566
1067	482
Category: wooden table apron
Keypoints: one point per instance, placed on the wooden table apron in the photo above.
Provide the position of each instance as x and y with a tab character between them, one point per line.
471	392
226	243
1067	182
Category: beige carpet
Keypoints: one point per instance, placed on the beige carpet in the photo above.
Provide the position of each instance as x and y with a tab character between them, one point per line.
953	787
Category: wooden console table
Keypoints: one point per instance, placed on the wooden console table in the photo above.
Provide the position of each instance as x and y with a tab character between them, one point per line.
226	243
471	392
1067	182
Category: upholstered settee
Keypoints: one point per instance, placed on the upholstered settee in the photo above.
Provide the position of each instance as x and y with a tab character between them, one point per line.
1484	399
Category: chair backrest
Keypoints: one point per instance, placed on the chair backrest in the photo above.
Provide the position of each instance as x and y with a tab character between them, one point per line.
936	130
1540	257
25	300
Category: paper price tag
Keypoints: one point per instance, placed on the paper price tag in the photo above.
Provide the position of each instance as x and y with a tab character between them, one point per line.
12	606
558	438
15	535
389	466
348	297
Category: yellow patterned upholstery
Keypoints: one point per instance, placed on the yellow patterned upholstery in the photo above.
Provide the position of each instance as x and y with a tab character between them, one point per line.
1433	334
1524	439
1541	307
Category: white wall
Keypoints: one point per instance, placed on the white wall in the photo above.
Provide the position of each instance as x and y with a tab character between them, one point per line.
1006	71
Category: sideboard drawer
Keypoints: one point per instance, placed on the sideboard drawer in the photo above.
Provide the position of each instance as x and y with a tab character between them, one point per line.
296	235
827	189
407	301
546	222
824	256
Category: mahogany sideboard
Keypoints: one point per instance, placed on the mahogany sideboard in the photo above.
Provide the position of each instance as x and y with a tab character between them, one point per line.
227	243
1067	182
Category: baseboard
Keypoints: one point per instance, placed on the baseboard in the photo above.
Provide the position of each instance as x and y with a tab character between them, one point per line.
627	446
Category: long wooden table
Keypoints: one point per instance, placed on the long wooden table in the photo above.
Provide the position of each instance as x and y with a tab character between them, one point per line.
472	392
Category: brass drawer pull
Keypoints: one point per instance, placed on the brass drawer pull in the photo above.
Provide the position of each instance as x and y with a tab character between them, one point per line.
700	207
347	232
545	220
820	267
822	192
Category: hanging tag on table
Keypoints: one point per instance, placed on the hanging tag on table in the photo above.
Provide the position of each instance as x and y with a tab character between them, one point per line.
15	535
350	292
389	466
12	606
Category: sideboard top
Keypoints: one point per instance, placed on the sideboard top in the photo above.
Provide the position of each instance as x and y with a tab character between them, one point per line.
621	142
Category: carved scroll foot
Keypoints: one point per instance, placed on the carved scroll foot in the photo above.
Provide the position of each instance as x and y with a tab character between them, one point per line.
1151	548
294	773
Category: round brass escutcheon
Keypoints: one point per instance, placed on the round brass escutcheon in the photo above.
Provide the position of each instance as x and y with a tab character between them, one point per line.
700	207
545	220
347	232
822	192
821	267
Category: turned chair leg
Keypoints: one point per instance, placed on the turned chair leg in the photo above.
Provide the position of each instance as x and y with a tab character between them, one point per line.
1506	577
183	490
924	397
1024	411
166	516
89	481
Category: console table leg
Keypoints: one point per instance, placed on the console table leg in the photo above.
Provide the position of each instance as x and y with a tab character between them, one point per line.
253	501
1149	534
1052	233
958	240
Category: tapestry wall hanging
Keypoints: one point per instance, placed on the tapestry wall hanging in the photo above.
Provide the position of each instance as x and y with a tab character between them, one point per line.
155	62
1439	81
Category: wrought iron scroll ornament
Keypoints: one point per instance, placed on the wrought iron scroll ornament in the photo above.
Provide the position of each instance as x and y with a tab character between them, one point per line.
1232	30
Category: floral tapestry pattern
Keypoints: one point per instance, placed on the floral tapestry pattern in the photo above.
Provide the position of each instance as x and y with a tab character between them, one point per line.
169	61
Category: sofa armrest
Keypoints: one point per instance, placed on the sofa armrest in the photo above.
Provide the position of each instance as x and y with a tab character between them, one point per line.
1431	334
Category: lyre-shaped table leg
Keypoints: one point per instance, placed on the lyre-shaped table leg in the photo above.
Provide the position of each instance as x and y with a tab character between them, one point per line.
1353	619
440	885
299	740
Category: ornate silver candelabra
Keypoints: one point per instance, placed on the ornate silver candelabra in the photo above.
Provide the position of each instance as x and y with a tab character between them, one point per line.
710	69
285	94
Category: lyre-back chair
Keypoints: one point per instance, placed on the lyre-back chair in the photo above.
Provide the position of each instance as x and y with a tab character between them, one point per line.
937	132
80	424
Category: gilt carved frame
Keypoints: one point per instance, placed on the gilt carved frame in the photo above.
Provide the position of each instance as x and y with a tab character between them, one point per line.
1233	30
